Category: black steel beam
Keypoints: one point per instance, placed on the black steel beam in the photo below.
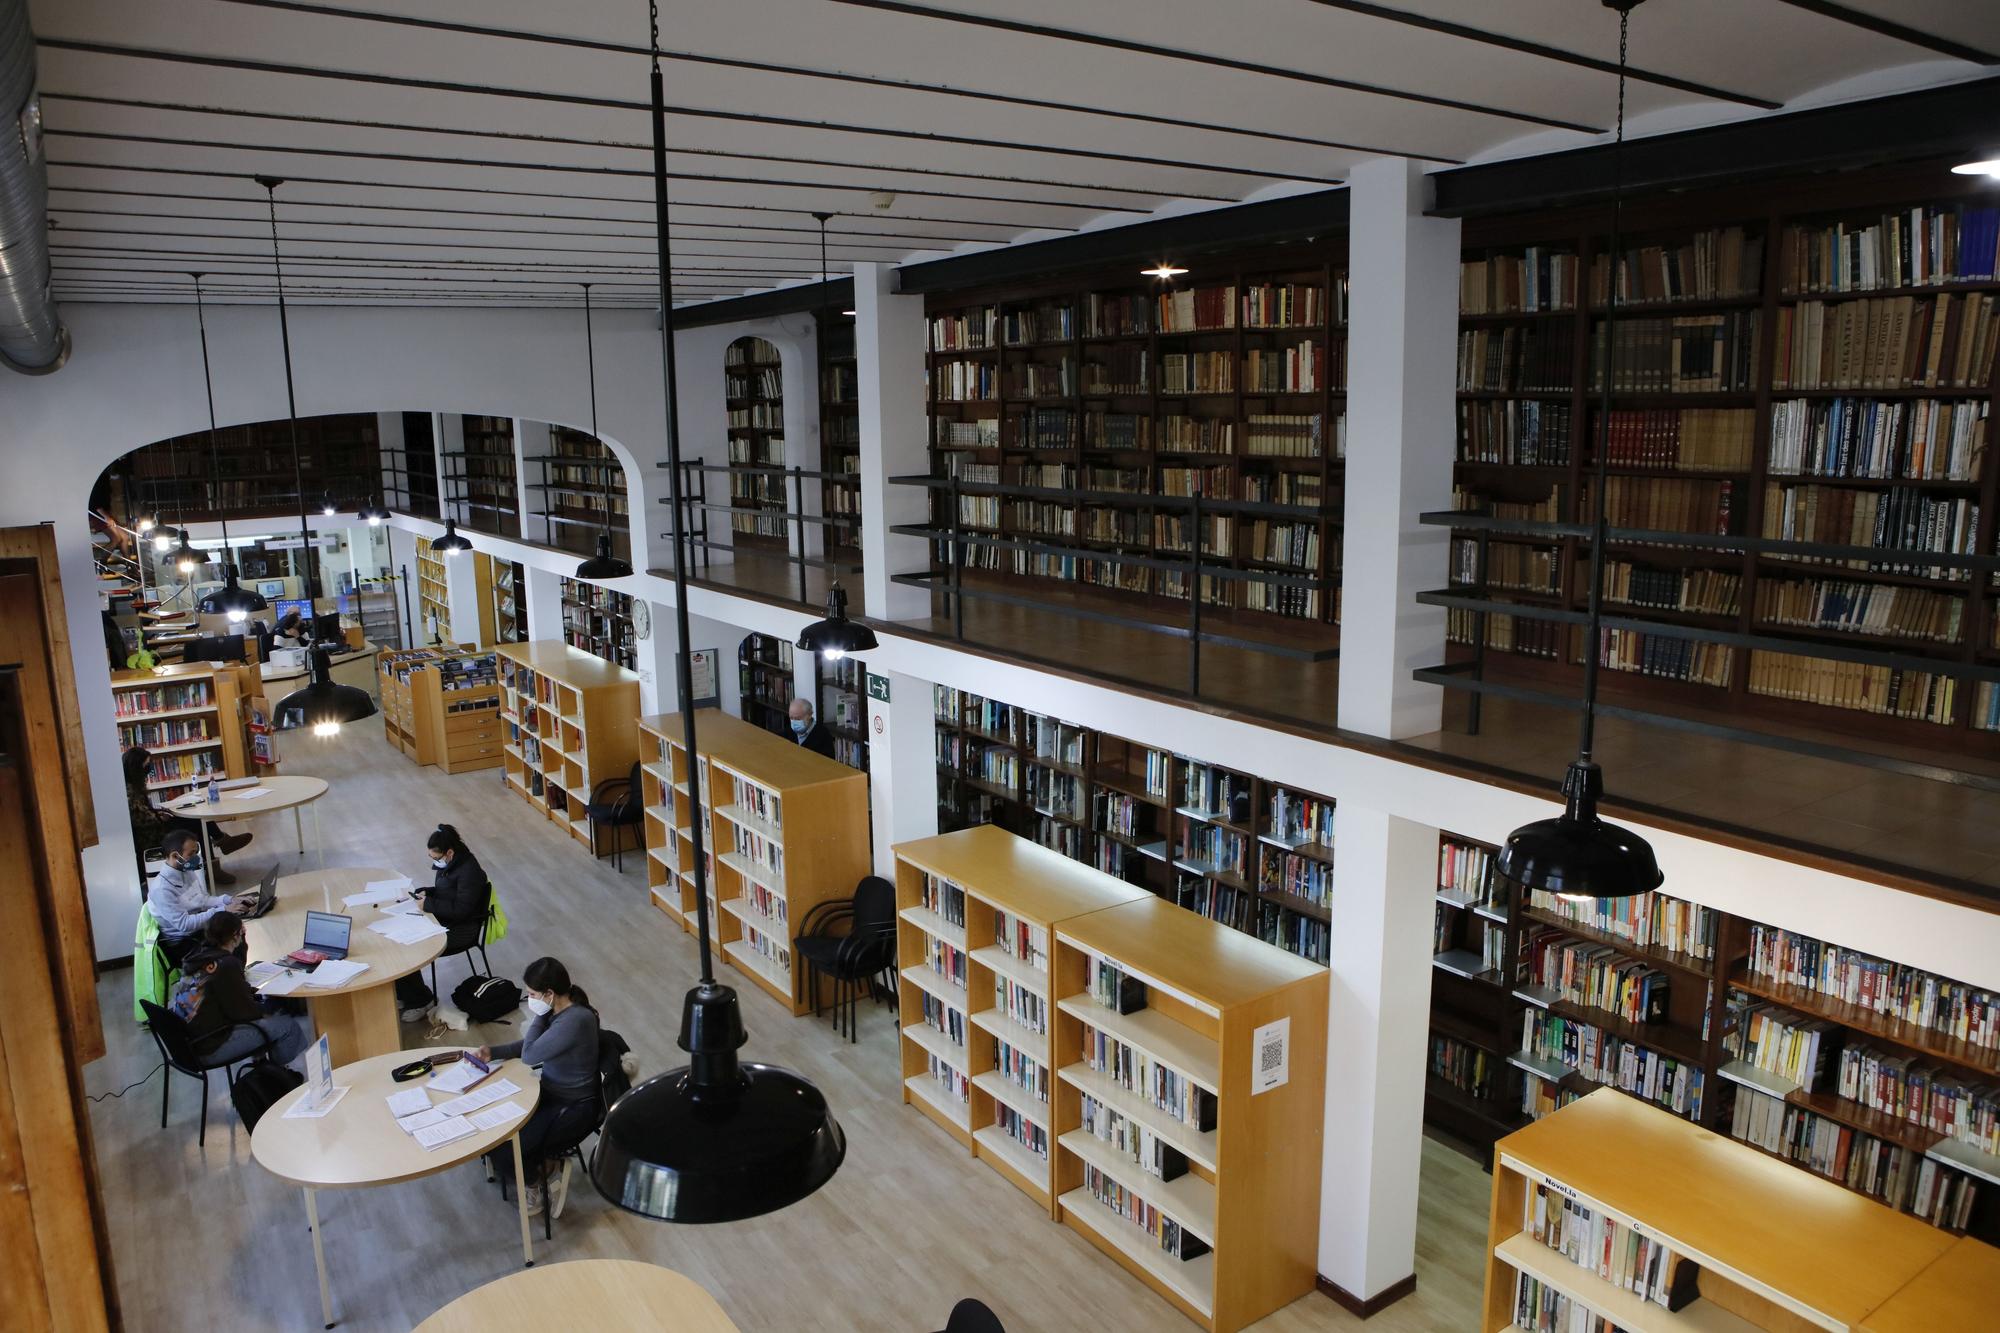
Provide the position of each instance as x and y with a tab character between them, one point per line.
800	300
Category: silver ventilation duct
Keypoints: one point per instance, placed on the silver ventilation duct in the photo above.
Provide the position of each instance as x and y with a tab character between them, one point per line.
32	338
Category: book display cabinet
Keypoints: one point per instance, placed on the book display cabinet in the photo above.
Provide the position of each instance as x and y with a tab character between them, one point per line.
189	717
784	830
442	706
570	721
1612	1210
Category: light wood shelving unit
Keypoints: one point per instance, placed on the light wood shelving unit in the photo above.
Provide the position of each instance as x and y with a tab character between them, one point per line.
190	697
784	830
568	722
442	706
433	601
973	895
1776	1249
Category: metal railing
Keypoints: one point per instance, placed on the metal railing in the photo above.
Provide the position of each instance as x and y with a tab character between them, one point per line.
697	506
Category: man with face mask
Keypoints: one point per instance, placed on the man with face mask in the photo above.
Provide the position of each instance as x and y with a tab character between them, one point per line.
807	732
179	896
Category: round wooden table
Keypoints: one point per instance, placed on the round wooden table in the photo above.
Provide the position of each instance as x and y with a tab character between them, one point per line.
291	793
358	1144
359	1019
606	1295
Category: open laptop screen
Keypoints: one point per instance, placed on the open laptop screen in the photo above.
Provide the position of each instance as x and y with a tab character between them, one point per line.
328	932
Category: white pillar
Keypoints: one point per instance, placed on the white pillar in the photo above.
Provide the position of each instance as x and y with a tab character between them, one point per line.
389	435
462	600
889	357
448	436
542	599
531	440
902	765
1377	1034
805	679
655	656
1401	426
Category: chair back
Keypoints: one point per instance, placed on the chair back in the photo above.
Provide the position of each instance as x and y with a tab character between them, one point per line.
635	795
973	1316
171	1032
874	906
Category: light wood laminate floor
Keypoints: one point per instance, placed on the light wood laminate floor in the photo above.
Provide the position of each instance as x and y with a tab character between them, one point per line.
203	1238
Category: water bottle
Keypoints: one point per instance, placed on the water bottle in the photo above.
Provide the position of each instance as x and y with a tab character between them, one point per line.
214	791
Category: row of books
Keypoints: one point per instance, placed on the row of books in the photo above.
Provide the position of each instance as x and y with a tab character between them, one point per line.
1297	876
1537	279
1721	263
1522	432
1537	358
1876	985
1925	696
1896	1176
1021	1068
1036	379
1540	1308
172	731
1509	565
1216	850
1052	792
1465	869
1020	1003
1133	1142
763	416
1897	518
1861	608
1194	309
1293	932
1889	342
1716	592
965	381
1292	544
1505	633
1920	440
1925	246
1780	1041
162	699
1198	372
1678	354
1581	1231
1029	1134
1120	371
944	1018
1596	976
1694	439
1302	368
1917	1090
1468	1068
1648	920
1665	656
1292	434
1545	510
1051	322
1296	815
1165	1088
767	382
1173	1240
945	959
1668	504
1656	1077
944	898
180	769
1056	835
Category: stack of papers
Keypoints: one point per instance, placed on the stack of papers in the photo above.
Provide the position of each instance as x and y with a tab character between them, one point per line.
332	972
443	1132
284	983
407	929
377	892
478	1097
456	1077
435	1126
401	907
495	1116
246	793
408	1102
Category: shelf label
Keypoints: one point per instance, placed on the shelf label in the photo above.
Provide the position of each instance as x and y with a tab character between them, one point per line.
878	687
1272	1047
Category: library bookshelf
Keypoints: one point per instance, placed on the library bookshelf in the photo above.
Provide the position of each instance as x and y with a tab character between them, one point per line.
753	380
510	602
479	481
784	830
975	912
765	683
599	621
840	431
1745	1244
581	481
1239	1027
188	716
434	597
569	721
252	471
442	706
843	707
1253	854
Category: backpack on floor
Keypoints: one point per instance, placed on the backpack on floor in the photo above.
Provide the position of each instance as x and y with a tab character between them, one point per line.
260	1085
486	999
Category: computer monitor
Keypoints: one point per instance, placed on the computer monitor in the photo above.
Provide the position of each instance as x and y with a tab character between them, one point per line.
214	648
284	606
326	628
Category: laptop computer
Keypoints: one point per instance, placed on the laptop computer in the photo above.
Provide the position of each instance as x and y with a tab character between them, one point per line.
264	897
327	935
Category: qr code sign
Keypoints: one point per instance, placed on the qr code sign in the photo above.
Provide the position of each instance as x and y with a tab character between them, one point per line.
1273	1044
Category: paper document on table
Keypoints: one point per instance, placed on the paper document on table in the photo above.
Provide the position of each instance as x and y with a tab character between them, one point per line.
423	1119
408	1102
303	1109
400	883
282	984
495	1116
444	1131
401	907
456	1077
407	929
335	972
478	1097
259	974
247	793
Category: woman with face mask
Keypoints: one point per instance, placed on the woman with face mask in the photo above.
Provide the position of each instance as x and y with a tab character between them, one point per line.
561	1037
458	898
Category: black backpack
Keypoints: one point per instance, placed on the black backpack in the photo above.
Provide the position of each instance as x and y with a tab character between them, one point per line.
486	999
260	1085
611	1052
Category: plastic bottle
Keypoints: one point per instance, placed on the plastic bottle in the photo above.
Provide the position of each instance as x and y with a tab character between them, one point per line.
214	791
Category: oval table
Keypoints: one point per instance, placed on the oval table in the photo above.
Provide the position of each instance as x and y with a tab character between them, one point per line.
357	1144
604	1295
358	1019
272	794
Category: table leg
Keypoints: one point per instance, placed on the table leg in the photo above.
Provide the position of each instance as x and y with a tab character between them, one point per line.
357	1024
208	851
319	1259
319	838
521	1198
299	827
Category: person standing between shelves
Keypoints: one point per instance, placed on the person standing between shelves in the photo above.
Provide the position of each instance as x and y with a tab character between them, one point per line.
459	898
809	732
561	1037
179	897
151	824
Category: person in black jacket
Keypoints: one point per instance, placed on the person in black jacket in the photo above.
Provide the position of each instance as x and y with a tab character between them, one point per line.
458	899
233	1019
808	732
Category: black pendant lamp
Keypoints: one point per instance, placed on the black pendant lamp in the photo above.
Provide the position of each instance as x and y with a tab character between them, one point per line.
322	706
719	1140
186	559
234	600
836	636
374	512
452	542
327	507
1578	855
603	565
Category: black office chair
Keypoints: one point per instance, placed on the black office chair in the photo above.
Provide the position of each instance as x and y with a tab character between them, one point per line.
461	940
850	941
170	1034
616	803
611	1049
972	1316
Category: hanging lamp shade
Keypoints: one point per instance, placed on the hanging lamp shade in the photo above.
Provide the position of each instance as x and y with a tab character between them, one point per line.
836	636
327	506
148	520
1577	854
375	513
451	543
233	599
604	565
186	559
320	704
163	538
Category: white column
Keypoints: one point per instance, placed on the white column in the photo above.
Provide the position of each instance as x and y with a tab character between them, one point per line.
902	766
1400	432
389	435
448	435
542	600
462	601
722	639
889	350
531	440
656	654
1378	1020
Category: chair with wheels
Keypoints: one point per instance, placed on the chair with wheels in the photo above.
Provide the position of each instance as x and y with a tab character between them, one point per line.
170	1034
616	804
850	941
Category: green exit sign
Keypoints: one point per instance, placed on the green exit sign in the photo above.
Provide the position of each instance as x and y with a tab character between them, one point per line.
878	687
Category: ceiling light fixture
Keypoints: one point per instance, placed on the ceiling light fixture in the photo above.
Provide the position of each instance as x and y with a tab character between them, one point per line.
1990	167
1164	271
605	564
186	559
718	1140
163	539
326	505
146	522
836	636
452	542
1578	855
233	601
375	513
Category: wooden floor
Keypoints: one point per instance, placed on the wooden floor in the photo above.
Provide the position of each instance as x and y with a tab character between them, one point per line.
203	1238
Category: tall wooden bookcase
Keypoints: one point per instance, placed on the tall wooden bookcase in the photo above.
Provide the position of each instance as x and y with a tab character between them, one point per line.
784	830
479	485
187	715
581	480
442	706
570	721
840	432
753	375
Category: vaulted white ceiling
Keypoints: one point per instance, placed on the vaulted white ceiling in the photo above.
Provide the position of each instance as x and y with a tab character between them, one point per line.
443	153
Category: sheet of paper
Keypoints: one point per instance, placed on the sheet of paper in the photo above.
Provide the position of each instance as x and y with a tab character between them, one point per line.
505	1087
495	1116
444	1131
300	1110
484	1095
408	1102
455	1077
245	793
283	984
407	929
335	972
423	1119
259	974
400	883
400	907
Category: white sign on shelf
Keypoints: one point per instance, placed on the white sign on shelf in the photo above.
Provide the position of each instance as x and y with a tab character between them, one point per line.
1271	1047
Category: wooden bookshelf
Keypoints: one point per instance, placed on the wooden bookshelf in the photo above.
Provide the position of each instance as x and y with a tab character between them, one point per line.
1958	1291
976	909
843	707
840	431
1252	854
580	480
442	706
1112	392
753	377
599	621
1774	1249
409	471
784	830
569	721
765	683
479	482
510	602
433	600
187	715
252	472
1471	1091
1219	1009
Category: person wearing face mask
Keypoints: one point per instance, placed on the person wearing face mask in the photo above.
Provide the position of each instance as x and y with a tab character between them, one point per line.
234	1020
179	896
561	1037
807	732
458	898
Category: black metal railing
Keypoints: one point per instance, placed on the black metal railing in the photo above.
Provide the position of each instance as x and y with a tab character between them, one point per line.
697	506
